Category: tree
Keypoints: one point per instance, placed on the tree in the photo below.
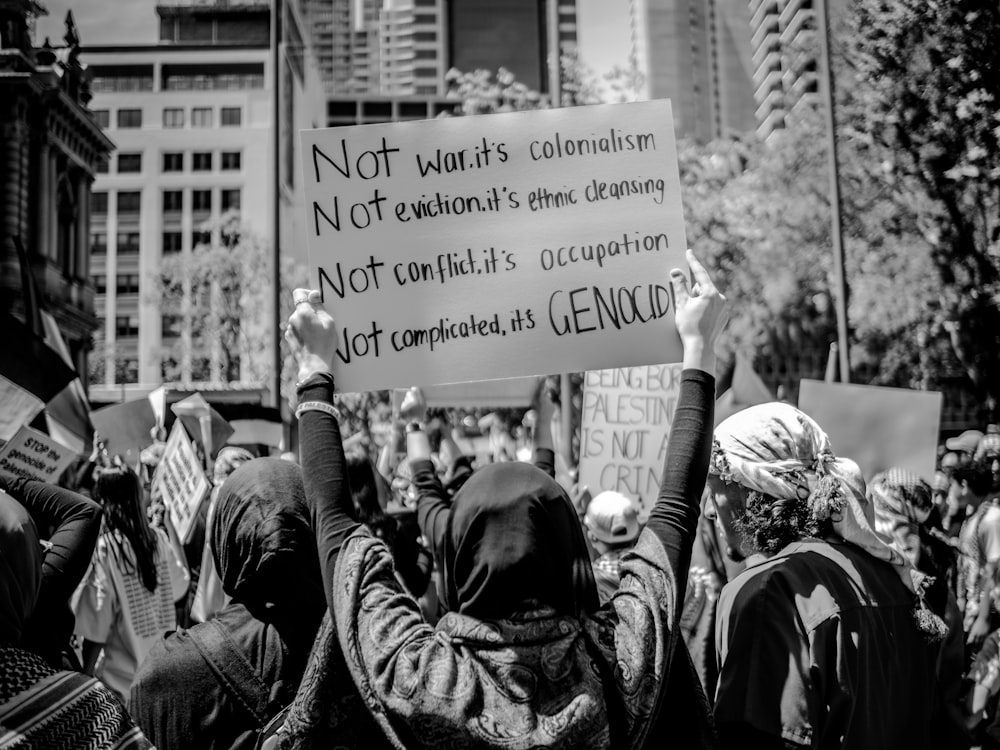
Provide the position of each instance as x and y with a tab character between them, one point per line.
213	298
927	82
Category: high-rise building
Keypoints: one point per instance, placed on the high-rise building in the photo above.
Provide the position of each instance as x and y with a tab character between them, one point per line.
405	47
50	149
785	50
193	118
697	54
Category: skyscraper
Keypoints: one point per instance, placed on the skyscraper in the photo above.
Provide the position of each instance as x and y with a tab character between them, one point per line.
697	54
785	49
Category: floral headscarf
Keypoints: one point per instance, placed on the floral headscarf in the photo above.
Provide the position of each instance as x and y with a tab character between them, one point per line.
779	451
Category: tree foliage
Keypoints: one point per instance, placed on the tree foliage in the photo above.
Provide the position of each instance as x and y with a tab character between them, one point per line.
927	82
216	297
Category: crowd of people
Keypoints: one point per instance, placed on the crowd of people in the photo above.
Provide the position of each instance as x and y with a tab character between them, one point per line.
772	598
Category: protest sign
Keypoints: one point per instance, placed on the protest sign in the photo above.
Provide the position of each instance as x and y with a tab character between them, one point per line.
34	455
475	248
180	482
878	428
625	424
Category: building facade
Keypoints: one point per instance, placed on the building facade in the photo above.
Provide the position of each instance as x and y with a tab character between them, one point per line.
696	53
50	149
193	116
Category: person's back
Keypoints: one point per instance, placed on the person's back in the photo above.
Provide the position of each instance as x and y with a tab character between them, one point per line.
217	684
819	646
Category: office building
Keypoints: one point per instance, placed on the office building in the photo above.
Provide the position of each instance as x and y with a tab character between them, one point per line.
697	54
192	116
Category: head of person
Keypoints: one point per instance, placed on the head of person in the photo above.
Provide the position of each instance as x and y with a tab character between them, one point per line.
514	542
369	493
20	569
230	458
970	484
902	501
939	492
988	454
119	491
964	445
612	521
264	548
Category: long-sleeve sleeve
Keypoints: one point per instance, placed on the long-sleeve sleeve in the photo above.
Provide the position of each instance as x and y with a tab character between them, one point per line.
324	474
674	517
433	509
70	523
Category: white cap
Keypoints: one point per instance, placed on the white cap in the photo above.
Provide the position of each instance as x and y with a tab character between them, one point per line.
612	518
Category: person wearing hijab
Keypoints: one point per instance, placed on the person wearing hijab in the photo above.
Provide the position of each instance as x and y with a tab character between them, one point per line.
70	524
525	657
217	684
823	640
40	706
209	597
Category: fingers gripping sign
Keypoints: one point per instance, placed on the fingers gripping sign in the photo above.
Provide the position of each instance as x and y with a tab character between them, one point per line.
311	334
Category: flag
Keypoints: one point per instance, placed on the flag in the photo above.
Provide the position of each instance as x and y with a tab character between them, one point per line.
67	415
31	373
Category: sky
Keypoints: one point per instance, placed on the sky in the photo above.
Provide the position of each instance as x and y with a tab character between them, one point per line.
602	26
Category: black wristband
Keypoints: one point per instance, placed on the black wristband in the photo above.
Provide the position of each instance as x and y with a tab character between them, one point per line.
317	378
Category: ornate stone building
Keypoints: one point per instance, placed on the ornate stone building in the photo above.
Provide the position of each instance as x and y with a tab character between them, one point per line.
50	149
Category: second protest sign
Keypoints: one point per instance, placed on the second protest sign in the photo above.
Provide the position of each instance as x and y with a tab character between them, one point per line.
475	248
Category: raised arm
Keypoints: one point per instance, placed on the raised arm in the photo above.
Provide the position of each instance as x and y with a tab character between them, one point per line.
313	339
700	316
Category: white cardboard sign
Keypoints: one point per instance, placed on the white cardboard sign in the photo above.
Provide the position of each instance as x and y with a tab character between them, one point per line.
878	428
34	455
476	248
626	418
180	481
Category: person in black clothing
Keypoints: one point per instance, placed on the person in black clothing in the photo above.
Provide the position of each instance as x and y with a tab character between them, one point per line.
526	657
71	524
217	684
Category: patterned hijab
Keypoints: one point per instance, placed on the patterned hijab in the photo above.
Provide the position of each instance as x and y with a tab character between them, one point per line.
20	569
513	537
781	452
899	497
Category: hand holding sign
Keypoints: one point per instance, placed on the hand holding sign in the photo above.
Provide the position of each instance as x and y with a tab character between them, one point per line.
311	334
700	314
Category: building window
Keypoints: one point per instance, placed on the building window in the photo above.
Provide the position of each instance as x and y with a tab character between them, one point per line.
171	242
200	237
126	371
201	117
201	200
201	369
231	161
231	200
126	326
129	118
173	201
426	54
173	117
99	203
103	118
173	161
425	36
128	243
232	117
102	165
171	325
129	163
129	202
423	18
98	243
201	161
100	283
127	283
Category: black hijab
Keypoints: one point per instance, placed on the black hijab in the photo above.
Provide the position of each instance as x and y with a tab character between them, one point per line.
263	543
513	538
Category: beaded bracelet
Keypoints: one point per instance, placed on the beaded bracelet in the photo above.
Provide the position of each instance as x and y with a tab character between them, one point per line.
316	406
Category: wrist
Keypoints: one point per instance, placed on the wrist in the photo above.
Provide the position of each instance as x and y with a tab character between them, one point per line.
698	356
311	364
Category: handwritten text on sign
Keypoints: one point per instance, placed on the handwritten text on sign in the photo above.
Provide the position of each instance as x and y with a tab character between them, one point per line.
180	481
626	421
476	248
33	455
